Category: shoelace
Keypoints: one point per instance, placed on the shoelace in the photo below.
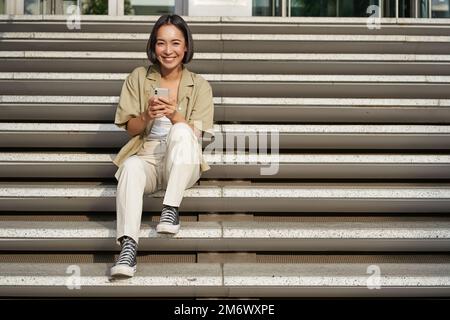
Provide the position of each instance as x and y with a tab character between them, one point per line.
169	215
128	254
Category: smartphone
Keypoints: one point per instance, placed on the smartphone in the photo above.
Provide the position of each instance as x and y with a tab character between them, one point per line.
162	92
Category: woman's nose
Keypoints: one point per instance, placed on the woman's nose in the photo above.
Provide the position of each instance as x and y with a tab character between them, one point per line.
168	49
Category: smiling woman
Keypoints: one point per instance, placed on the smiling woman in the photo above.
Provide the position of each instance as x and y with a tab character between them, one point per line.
164	152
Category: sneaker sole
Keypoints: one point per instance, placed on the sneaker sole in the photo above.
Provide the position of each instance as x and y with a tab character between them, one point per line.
122	271
167	228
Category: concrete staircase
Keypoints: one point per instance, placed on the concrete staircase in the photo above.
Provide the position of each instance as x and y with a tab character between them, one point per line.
358	208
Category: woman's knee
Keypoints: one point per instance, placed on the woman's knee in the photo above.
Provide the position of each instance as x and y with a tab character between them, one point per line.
180	131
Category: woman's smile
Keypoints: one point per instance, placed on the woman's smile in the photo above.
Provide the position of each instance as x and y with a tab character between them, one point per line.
168	59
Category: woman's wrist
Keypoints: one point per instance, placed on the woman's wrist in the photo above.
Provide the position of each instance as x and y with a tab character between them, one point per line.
144	117
172	115
176	117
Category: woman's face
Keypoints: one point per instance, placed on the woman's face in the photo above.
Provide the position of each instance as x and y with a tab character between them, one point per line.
170	46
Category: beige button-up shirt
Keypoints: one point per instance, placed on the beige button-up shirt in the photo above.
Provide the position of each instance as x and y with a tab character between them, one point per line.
195	103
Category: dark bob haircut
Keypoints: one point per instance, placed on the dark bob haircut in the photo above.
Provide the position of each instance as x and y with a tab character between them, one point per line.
178	22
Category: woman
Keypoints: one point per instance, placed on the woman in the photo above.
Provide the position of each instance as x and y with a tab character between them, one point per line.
165	150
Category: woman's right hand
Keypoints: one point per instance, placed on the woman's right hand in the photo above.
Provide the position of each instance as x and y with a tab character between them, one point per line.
155	109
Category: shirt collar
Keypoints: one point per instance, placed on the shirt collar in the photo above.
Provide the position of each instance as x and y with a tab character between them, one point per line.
153	73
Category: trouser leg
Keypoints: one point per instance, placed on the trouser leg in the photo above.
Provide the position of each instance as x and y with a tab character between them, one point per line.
135	177
182	163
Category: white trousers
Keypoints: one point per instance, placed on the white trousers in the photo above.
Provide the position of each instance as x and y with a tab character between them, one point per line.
173	165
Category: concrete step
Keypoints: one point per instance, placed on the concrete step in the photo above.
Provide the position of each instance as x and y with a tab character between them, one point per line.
285	25
228	196
92	61
325	234
232	42
317	276
253	110
240	85
239	166
230	137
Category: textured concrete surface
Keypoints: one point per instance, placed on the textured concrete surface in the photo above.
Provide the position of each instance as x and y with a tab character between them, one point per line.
90	36
234	77
242	100
242	230
180	274
230	56
352	275
337	230
227	37
100	229
248	128
233	275
43	157
295	190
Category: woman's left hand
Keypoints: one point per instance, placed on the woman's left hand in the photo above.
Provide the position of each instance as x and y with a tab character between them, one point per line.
170	107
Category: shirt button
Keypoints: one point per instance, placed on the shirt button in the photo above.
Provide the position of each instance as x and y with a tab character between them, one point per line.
179	108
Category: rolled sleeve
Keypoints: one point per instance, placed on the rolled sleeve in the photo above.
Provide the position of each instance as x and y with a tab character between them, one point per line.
128	106
202	114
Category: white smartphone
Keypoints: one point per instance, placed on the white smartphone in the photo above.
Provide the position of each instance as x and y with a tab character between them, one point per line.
162	92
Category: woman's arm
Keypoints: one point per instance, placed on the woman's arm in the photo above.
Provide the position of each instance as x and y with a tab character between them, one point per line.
136	125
